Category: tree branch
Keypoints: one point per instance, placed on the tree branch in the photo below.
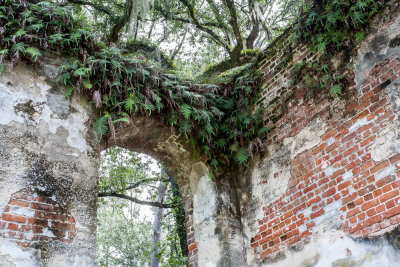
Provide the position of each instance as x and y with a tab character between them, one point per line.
145	181
178	48
122	21
95	6
198	25
172	17
255	31
235	26
138	201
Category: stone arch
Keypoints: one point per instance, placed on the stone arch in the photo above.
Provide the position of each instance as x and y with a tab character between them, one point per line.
208	221
48	147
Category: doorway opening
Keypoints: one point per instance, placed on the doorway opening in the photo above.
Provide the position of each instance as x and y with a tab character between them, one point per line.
141	217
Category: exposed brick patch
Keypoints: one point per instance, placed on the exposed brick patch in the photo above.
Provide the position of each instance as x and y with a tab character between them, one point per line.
336	183
29	217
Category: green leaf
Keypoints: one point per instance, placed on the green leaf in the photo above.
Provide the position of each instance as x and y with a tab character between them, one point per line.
33	52
20	33
242	156
121	120
87	84
68	92
101	126
81	72
336	90
186	110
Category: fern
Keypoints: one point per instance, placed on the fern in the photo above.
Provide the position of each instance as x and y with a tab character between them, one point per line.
100	126
336	90
242	156
186	110
33	52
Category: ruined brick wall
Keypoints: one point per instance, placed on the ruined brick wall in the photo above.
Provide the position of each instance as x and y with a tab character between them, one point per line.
327	184
29	217
333	166
48	172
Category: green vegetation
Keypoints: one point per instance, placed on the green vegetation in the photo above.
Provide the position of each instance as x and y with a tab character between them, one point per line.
332	27
128	181
219	118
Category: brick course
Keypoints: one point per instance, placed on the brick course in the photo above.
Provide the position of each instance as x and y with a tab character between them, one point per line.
337	180
29	217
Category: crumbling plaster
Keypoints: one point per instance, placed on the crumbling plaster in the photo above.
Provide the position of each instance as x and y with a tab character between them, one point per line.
268	177
45	146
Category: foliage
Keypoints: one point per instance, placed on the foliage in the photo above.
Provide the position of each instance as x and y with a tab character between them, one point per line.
121	169
121	85
221	119
123	237
124	234
222	28
331	27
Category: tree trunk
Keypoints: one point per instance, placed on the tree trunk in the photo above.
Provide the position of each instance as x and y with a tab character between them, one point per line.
162	189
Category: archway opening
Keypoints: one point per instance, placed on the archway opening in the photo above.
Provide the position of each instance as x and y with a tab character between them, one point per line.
141	217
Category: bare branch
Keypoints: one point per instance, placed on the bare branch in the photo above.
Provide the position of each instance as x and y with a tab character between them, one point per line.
178	48
198	25
143	181
138	201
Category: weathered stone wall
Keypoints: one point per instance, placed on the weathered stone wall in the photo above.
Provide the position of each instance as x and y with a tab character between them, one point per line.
48	173
327	193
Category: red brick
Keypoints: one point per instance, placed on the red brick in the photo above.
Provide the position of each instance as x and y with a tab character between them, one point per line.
380	166
352	212
367	141
192	247
23	244
44	207
329	192
317	213
388	196
368	197
349	198
394	159
361	216
13	218
370	204
386	180
366	165
391	212
373	220
310	188
328	135
395	184
385	223
395	220
377	193
359	201
380	208
12	226
344	185
16	202
371	212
